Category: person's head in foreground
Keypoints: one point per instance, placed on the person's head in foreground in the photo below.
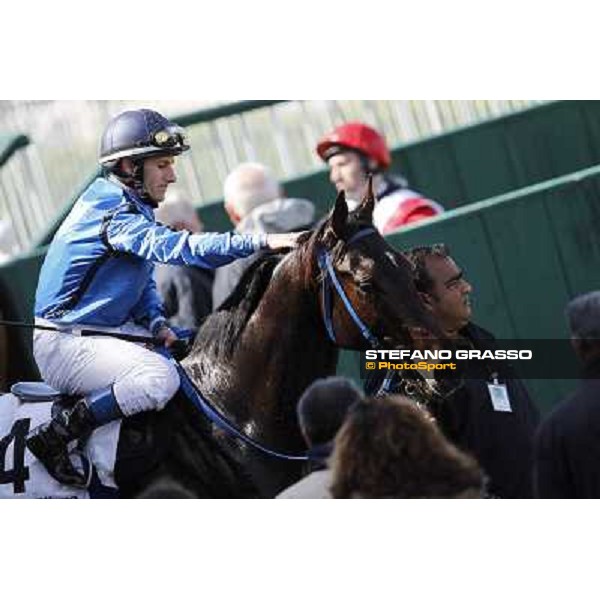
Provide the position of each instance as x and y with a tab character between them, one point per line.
322	409
390	448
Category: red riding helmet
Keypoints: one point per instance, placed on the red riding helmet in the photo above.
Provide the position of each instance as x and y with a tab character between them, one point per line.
355	136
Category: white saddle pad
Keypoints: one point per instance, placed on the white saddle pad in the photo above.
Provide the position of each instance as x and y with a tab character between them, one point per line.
21	474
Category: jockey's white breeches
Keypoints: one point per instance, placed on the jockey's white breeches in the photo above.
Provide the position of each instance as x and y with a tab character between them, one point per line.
141	379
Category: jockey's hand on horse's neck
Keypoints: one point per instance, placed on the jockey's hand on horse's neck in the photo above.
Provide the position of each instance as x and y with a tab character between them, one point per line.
280	241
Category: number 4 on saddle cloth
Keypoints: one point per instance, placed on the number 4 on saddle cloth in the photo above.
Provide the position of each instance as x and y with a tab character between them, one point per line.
22	476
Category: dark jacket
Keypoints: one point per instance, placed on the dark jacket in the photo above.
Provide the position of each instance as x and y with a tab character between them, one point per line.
567	444
502	442
282	215
186	293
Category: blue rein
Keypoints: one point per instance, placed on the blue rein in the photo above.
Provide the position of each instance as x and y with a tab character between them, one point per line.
217	418
330	278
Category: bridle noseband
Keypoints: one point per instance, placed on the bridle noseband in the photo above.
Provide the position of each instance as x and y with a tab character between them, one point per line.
331	282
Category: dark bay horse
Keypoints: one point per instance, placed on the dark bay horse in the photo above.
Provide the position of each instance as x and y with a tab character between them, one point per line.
255	356
252	359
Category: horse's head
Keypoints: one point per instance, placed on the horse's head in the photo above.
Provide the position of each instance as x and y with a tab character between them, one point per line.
367	290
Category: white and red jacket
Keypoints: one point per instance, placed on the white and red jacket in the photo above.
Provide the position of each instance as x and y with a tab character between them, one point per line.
399	206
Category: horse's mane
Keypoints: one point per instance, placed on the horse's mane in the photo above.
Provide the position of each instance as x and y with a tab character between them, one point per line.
221	330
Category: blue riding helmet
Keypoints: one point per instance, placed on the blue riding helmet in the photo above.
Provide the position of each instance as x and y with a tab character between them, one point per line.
139	134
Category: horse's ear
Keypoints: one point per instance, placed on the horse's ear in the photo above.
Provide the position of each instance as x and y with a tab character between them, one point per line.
365	208
340	215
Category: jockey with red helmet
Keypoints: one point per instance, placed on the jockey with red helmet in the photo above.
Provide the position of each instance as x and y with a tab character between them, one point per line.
98	273
352	151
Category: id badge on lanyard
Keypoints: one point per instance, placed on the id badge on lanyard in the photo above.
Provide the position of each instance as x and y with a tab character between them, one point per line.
499	396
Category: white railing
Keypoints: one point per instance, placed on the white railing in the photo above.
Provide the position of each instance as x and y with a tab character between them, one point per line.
38	180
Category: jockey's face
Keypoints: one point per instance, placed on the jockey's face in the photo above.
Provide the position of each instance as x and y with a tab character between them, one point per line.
449	298
347	173
159	173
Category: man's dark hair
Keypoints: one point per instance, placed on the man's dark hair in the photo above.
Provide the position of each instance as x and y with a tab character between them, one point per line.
323	407
583	314
417	256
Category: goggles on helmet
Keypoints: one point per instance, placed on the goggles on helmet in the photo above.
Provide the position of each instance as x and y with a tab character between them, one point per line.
171	137
170	140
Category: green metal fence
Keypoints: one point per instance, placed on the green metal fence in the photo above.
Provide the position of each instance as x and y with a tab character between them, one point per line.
526	254
23	203
9	144
505	154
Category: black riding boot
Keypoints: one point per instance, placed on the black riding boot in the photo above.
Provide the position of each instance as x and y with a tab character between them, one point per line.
49	442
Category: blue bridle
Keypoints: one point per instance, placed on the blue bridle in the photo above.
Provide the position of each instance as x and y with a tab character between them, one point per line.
329	279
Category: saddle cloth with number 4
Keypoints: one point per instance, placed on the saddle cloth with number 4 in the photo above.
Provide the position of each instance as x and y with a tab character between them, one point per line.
21	474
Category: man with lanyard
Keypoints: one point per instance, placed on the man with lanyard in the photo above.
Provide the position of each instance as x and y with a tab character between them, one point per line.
98	273
486	409
352	151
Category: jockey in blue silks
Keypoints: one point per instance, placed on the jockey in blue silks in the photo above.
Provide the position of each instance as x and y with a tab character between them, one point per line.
99	272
